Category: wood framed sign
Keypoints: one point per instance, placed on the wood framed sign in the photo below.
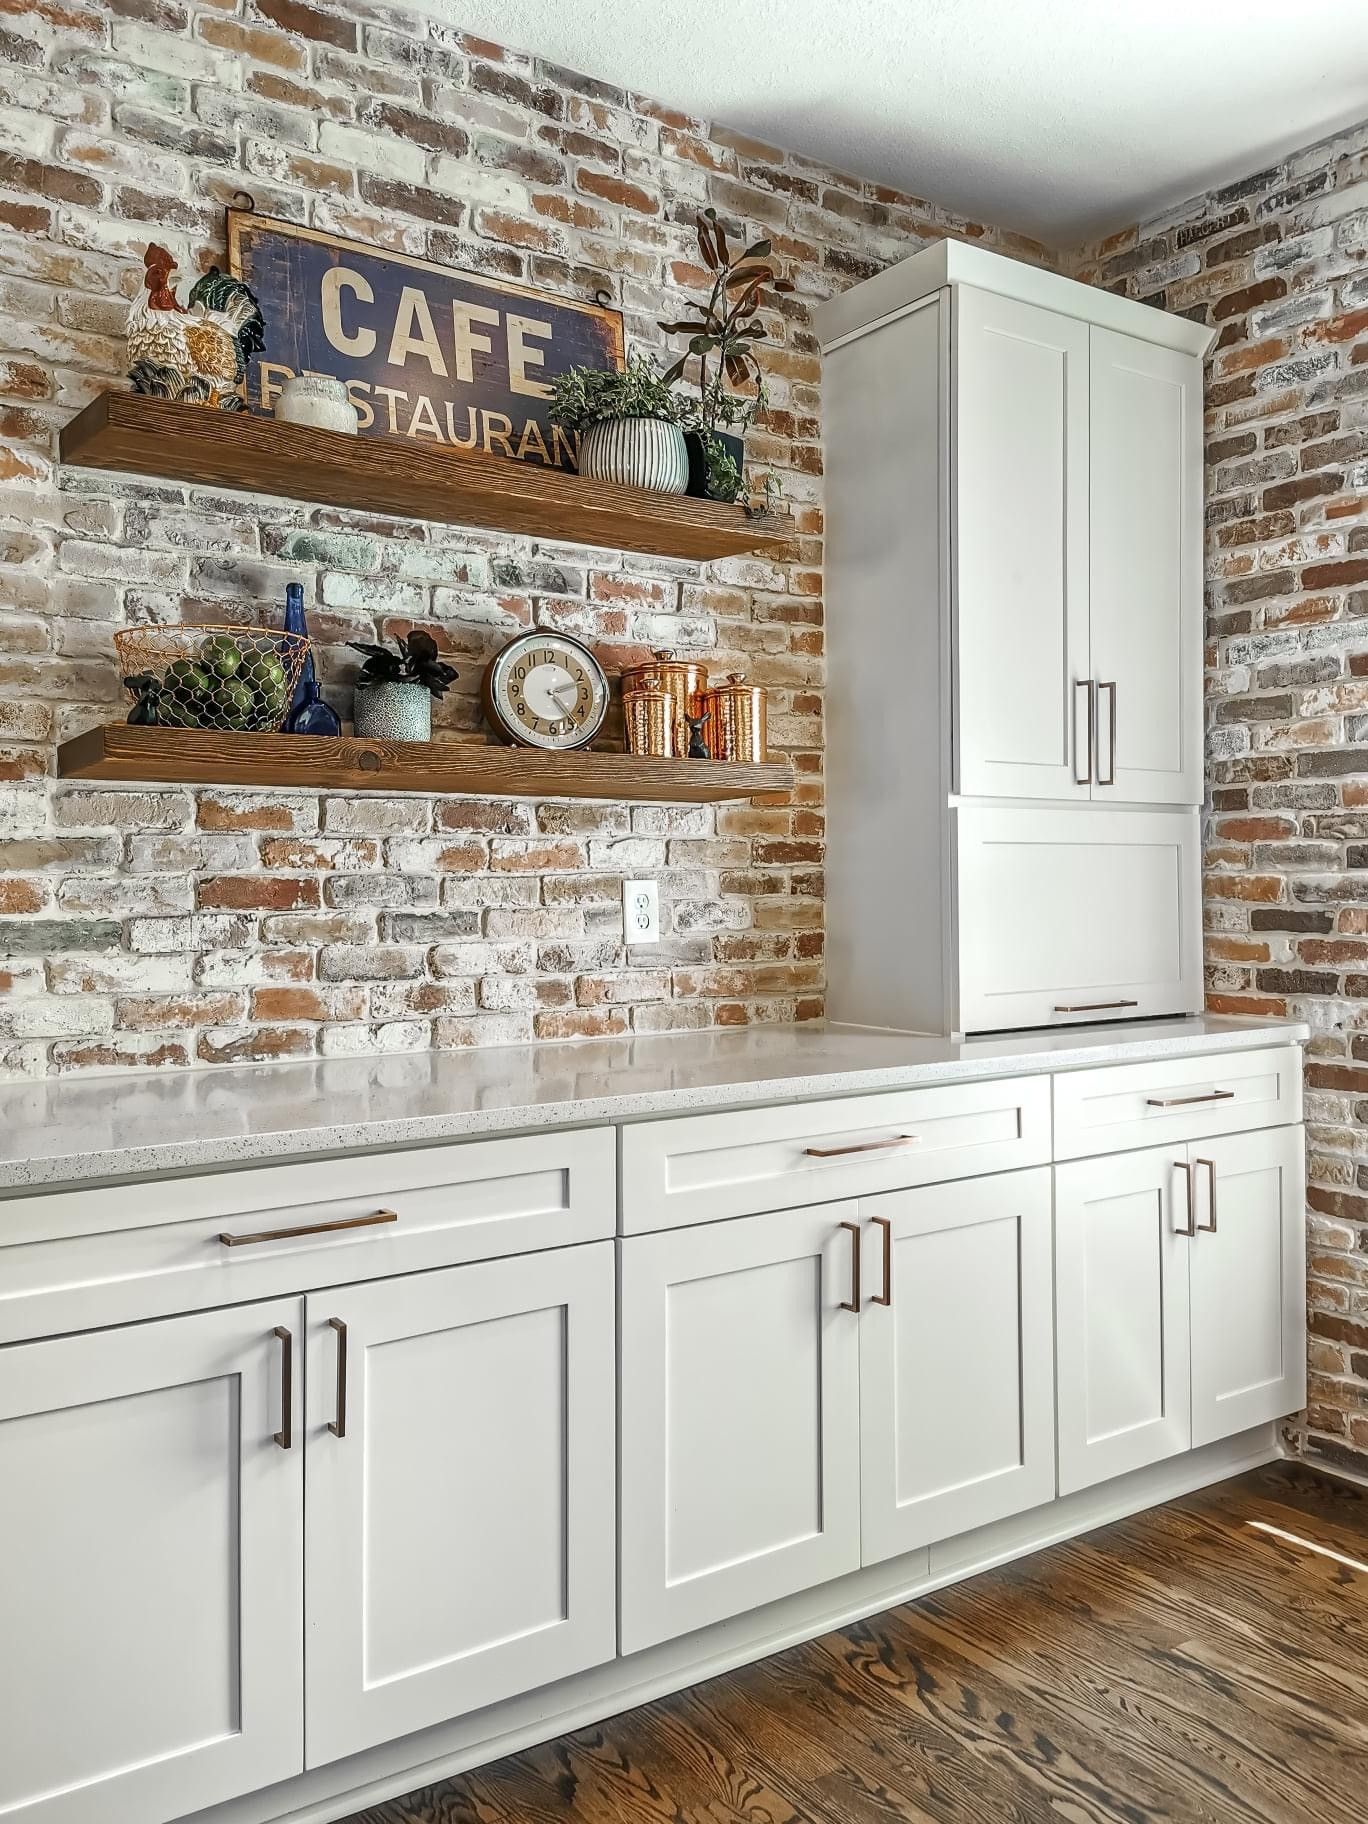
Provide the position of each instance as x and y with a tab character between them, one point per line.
425	351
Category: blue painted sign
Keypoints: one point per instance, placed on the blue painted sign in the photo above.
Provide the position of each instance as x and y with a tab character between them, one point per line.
425	351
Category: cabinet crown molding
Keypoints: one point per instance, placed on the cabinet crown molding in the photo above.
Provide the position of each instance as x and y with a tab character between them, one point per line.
921	275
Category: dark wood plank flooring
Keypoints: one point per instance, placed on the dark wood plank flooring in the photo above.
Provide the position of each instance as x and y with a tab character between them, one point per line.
1189	1665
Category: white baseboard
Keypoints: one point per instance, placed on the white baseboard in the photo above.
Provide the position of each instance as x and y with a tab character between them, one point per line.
328	1793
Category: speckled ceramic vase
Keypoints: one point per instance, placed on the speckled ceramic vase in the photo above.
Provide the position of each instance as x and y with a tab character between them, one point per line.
393	712
636	453
317	400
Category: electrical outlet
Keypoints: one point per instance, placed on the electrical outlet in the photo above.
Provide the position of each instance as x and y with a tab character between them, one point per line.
641	911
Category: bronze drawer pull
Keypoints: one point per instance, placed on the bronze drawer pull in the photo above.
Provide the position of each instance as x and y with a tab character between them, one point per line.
1210	1095
886	1296
1191	1228
338	1426
853	1302
863	1146
308	1228
1209	1228
1093	1006
285	1436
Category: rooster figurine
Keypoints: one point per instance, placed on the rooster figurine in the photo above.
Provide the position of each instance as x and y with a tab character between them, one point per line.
196	352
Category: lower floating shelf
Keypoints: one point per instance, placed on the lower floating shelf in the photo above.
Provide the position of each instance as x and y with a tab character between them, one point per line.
177	756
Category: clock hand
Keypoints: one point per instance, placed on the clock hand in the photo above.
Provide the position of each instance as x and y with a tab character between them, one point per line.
558	697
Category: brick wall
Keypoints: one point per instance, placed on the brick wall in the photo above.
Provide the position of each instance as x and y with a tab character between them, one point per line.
1279	262
172	927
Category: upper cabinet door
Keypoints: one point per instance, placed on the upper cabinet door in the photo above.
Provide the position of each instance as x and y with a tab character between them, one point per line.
460	1511
943	1264
740	1398
1146	570
1020	538
1248	1281
151	1530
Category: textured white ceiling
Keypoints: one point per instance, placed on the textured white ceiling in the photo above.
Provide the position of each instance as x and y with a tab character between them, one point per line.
1060	118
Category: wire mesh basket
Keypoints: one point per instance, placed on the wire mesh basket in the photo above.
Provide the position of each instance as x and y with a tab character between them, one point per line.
237	679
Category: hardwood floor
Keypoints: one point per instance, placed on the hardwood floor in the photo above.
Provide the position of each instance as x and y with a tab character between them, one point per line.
1206	1661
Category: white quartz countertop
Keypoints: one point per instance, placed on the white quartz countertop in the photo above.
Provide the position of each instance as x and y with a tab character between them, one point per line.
69	1130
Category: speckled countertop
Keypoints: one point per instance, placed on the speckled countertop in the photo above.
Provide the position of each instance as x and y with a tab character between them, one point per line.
69	1130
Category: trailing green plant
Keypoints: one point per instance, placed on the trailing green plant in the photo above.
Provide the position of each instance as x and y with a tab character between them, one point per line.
585	396
725	329
411	660
722	469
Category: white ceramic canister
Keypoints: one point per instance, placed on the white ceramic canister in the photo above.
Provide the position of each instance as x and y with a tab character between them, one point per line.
317	400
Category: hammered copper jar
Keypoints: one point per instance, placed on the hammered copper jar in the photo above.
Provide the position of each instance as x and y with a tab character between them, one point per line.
736	730
648	723
682	680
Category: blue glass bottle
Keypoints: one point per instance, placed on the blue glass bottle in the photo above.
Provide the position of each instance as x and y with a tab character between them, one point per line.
308	714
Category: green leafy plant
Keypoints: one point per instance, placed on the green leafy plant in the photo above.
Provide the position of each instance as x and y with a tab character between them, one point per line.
725	328
412	660
584	396
723	470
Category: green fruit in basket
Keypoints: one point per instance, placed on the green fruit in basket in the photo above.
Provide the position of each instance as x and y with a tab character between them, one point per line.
175	712
235	703
222	655
185	677
263	670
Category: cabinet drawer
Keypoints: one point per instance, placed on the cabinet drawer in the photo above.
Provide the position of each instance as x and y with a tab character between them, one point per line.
80	1259
1133	1105
702	1168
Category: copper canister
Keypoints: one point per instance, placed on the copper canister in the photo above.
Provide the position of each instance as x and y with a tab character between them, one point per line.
683	681
648	722
737	728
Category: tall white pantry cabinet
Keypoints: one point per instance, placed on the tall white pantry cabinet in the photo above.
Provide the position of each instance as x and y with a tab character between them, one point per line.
1014	614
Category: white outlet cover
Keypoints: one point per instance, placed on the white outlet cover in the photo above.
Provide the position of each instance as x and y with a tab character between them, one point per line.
641	911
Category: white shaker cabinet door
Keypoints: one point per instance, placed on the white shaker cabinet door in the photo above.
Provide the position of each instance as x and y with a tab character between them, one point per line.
956	1377
740	1412
1075	915
1121	1314
460	1529
151	1602
1248	1281
1020	542
1145	569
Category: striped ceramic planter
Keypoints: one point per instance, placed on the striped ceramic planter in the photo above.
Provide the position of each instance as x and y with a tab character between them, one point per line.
636	453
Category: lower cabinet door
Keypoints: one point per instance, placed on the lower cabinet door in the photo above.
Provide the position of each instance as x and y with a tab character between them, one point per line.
740	1415
151	1600
1104	909
460	1491
1248	1281
956	1377
1121	1314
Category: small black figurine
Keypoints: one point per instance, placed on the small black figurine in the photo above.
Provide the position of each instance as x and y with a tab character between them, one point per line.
698	747
144	713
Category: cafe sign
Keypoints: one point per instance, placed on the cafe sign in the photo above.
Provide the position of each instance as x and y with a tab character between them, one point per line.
425	351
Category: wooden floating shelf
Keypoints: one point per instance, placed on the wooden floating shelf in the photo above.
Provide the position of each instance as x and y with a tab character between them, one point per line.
179	756
409	477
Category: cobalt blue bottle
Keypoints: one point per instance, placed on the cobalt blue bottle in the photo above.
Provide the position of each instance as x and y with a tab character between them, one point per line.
308	713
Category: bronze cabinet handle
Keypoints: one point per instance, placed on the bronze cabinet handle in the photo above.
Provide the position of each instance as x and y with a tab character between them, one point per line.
863	1146
1092	1006
886	1296
308	1228
1209	1228
1111	745
1209	1095
338	1426
1084	684
853	1302
1191	1228
285	1436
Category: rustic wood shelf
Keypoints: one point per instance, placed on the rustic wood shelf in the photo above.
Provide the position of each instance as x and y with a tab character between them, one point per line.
414	479
179	756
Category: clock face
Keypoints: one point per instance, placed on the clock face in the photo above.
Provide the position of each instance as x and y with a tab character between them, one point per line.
546	690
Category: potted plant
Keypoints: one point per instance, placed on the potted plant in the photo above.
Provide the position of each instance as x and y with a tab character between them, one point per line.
395	689
723	334
628	424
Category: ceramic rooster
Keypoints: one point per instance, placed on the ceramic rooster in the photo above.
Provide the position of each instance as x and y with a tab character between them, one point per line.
196	351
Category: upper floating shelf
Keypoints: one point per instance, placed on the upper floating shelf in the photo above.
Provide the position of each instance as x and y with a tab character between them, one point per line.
135	435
